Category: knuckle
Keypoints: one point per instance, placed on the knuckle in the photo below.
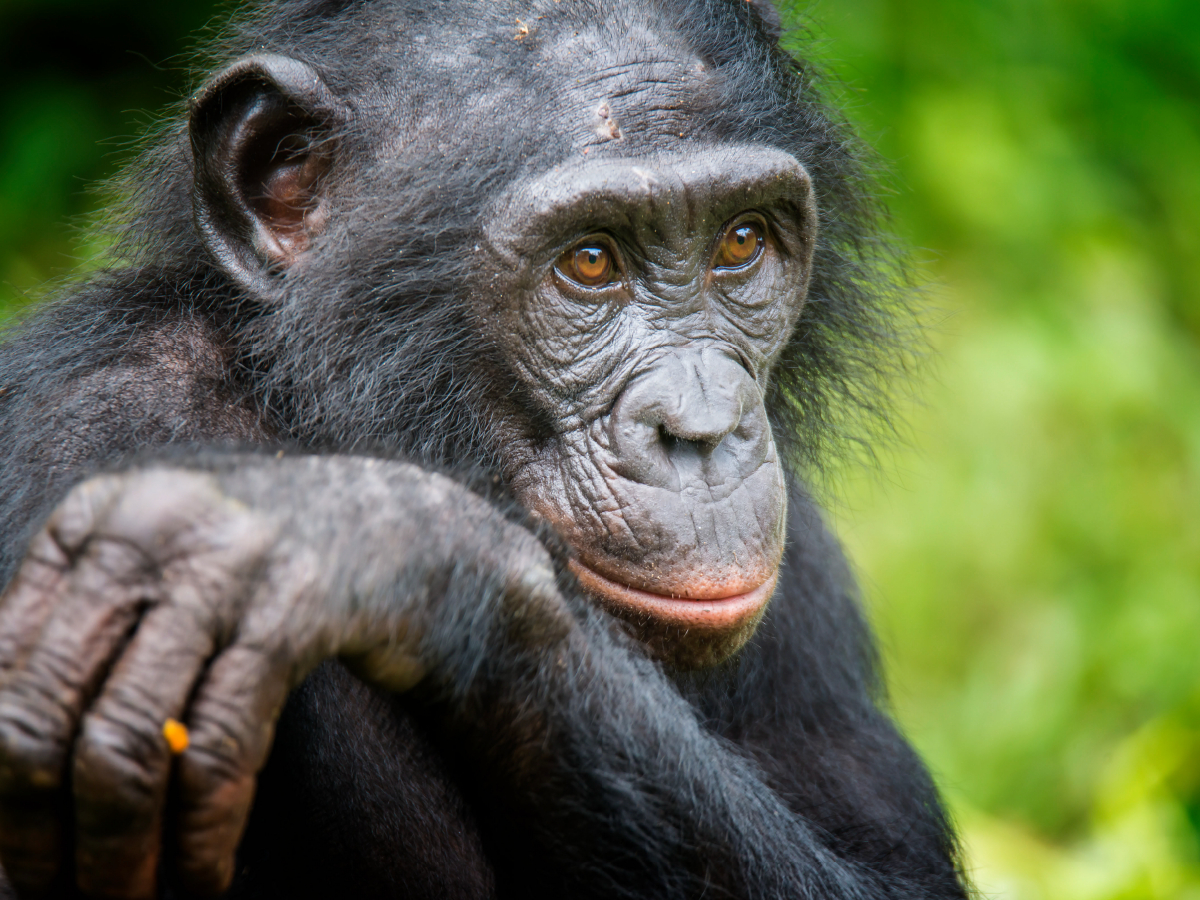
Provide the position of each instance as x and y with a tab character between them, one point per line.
120	766
45	560
31	757
208	767
64	672
72	523
218	752
109	558
228	550
147	508
527	563
156	524
191	527
159	500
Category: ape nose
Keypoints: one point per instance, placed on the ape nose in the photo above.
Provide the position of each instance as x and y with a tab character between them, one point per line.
694	417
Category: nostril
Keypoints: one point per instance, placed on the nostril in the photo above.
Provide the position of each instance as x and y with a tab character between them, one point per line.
668	441
672	442
688	419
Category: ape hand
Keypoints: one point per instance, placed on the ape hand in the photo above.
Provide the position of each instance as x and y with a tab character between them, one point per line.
204	594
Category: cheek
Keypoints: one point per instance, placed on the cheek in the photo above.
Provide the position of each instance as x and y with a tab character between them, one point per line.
691	571
695	538
552	332
763	311
566	354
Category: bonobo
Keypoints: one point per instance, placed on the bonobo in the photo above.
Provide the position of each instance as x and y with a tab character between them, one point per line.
434	449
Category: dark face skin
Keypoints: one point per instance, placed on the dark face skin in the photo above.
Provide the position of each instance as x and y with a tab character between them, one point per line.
639	295
643	301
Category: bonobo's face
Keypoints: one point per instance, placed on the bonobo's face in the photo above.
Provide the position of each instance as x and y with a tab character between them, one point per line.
633	283
642	302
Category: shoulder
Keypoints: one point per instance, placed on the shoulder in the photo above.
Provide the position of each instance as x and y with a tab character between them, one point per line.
86	382
107	377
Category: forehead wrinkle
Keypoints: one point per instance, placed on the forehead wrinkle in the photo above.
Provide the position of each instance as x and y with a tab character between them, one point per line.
617	50
629	76
635	66
616	85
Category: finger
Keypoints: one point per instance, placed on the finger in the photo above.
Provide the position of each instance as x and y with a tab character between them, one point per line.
122	757
73	523
122	761
30	598
26	605
39	584
232	724
41	702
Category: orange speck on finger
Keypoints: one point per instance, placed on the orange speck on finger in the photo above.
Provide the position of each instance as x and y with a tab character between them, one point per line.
176	734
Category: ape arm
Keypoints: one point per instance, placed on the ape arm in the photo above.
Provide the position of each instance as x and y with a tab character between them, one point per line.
205	594
405	574
631	795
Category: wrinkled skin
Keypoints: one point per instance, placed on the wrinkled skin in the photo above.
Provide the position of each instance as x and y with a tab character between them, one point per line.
632	287
661	473
208	563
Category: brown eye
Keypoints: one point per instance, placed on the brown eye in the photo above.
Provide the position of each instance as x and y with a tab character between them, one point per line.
591	265
740	246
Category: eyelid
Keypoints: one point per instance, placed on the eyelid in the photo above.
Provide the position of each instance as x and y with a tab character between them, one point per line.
599	239
748	217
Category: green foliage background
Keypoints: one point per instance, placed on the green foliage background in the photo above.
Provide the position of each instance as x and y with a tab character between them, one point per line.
1032	553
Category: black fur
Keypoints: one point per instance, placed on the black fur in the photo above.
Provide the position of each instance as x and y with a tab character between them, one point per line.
790	782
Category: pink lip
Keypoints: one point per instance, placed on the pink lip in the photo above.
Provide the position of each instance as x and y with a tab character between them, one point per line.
709	614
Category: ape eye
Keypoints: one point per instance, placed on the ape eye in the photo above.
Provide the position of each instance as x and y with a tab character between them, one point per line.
591	265
740	246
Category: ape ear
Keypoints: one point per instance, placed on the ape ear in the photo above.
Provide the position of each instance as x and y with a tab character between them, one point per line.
768	17
263	139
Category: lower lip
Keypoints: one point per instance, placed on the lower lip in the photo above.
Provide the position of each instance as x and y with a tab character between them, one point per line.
711	614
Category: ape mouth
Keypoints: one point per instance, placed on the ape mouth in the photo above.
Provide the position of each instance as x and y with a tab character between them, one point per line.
719	613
